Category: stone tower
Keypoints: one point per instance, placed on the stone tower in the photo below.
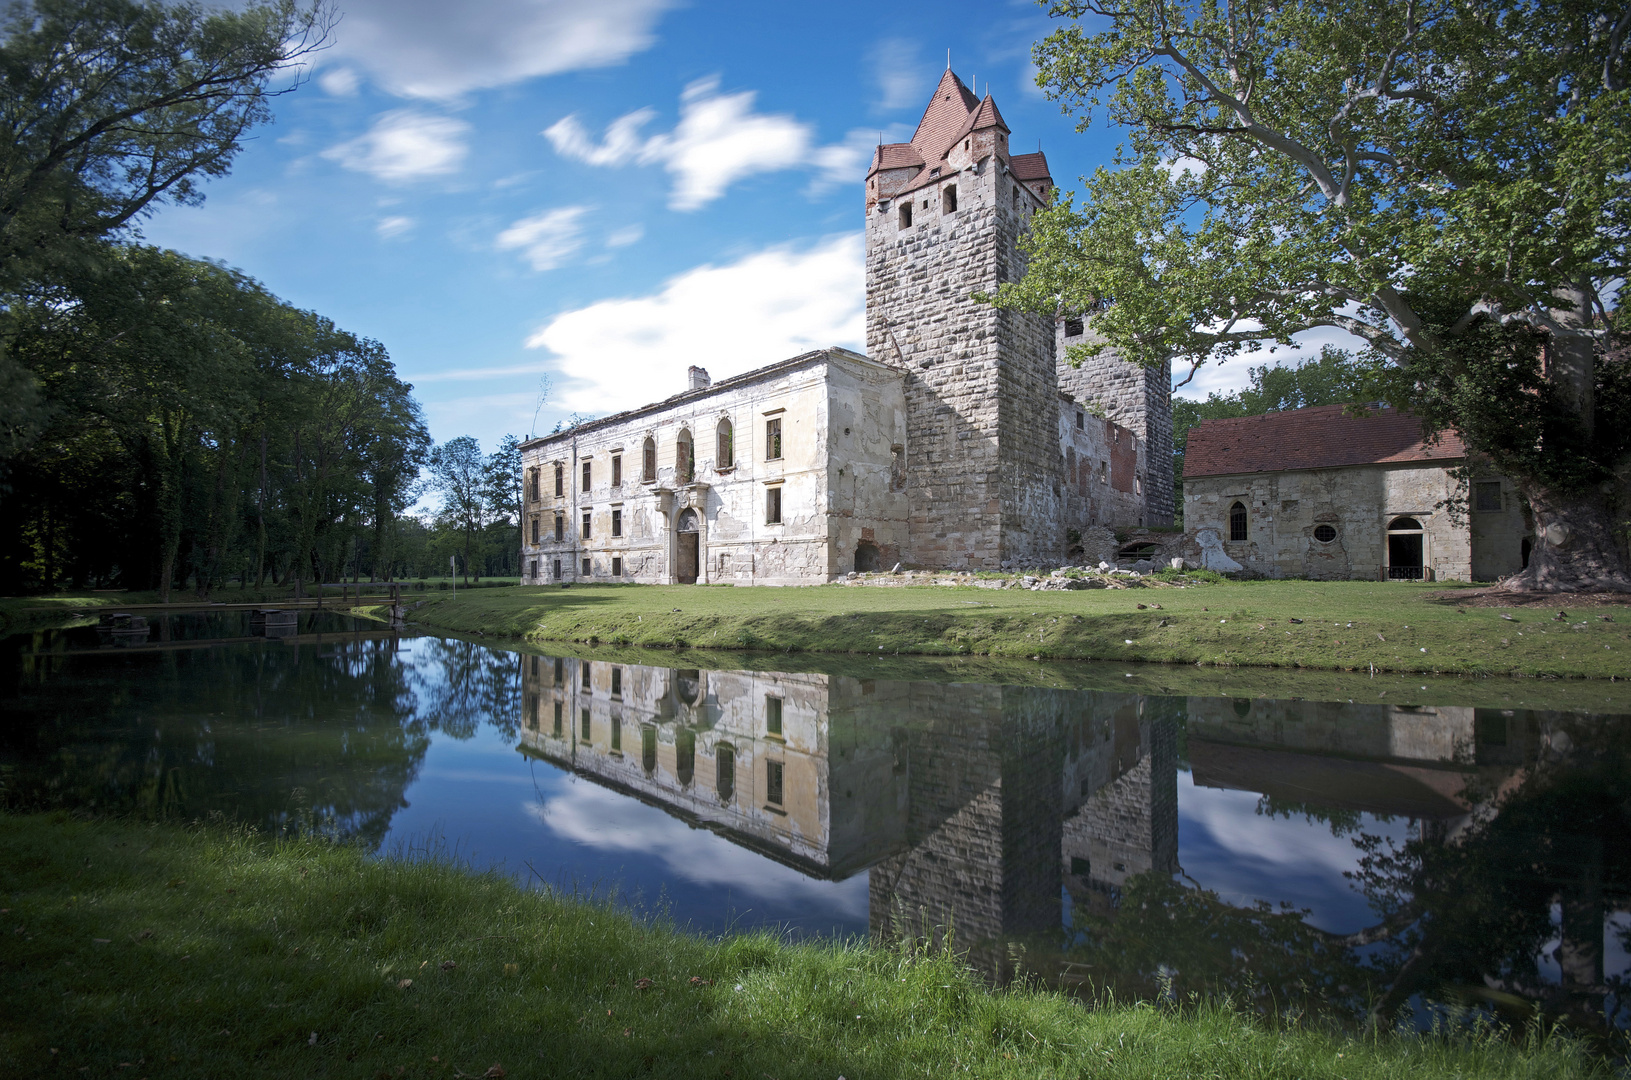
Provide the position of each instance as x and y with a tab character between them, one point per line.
944	212
1135	397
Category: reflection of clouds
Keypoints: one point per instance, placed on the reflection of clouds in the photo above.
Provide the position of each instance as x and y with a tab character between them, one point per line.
1226	845
607	821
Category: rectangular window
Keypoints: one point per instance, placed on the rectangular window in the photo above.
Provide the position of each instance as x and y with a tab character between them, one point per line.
557	719
583	725
773	715
948	199
1081	421
560	479
773	506
617	470
586	673
906	214
532	570
560	528
557	569
1073	327
617	682
617	523
1487	496
617	567
588	476
617	734
532	485
773	783
773	439
537	530
560	672
588	568
586	524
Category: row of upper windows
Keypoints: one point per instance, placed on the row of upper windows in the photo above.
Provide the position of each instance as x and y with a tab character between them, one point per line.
684	459
773	516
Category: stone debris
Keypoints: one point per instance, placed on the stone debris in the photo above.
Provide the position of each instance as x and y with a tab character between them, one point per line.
1057	579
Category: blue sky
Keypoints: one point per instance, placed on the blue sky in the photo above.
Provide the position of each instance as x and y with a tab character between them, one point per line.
602	192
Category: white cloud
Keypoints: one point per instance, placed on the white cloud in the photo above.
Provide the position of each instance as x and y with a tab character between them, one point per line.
340	82
718	141
730	319
845	162
606	821
628	234
389	227
433	49
900	74
406	145
546	238
1235	375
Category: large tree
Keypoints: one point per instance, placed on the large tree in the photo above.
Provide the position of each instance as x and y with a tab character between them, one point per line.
1445	179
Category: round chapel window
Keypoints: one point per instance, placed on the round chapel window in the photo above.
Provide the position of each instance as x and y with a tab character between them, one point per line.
1324	533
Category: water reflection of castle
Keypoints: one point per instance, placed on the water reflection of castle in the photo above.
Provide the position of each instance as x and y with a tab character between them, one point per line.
978	804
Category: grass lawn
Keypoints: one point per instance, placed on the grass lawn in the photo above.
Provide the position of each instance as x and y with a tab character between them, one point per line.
1339	626
138	950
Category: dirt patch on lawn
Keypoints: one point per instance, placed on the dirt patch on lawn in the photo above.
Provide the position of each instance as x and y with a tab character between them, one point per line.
1495	598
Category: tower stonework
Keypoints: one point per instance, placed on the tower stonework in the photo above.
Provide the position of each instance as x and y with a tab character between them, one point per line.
944	213
1135	397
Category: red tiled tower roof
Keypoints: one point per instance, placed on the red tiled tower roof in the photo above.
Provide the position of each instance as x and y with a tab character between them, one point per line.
1321	437
943	120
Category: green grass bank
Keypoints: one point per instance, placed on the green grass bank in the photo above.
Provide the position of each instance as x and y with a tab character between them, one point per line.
1333	626
138	950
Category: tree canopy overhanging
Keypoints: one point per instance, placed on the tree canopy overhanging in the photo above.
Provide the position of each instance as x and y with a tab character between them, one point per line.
1448	181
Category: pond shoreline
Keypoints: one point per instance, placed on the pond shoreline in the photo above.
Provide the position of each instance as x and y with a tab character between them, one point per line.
220	951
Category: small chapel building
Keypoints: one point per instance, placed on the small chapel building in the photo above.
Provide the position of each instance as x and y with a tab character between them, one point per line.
1332	494
960	441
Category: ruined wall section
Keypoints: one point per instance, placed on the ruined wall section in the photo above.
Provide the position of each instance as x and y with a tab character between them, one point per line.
1135	397
982	473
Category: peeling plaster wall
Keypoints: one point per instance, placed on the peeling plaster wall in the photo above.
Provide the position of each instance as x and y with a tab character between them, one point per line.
1359	502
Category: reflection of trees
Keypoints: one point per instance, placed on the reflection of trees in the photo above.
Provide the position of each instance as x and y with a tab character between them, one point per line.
462	685
1476	908
323	737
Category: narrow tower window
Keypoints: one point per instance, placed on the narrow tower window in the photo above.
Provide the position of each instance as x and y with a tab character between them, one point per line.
906	214
948	199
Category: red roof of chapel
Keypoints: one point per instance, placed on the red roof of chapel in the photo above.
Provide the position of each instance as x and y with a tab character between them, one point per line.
1322	437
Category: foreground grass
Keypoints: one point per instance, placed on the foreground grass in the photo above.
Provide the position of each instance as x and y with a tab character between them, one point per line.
137	950
1343	626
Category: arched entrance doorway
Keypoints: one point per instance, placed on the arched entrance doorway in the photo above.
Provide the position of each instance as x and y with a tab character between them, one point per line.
1405	549
687	553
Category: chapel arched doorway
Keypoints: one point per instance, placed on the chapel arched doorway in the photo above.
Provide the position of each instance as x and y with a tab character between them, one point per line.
687	548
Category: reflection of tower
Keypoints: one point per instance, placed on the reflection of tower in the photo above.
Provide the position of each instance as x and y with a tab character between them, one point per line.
1128	824
984	808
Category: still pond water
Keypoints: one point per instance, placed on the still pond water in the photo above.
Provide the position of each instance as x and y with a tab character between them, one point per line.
1307	855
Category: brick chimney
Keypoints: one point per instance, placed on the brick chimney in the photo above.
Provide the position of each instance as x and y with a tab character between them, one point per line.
699	378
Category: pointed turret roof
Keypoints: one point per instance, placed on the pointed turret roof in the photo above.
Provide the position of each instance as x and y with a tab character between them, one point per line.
944	118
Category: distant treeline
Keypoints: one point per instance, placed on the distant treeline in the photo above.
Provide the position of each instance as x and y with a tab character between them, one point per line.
166	422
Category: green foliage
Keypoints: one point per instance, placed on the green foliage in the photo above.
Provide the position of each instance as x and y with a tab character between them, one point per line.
211	428
112	106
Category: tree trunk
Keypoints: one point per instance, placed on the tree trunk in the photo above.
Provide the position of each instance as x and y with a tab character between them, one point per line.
1574	546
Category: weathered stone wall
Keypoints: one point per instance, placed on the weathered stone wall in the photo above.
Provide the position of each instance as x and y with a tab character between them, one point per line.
982	476
1091	444
866	468
1284	510
736	544
1443	733
1136	397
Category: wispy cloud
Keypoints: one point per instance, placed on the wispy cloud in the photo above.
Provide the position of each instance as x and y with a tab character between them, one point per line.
628	234
405	145
433	49
548	238
762	308
900	74
718	141
394	226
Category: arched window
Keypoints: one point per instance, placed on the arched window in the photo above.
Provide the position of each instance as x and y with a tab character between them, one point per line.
725	771
1404	524
648	458
1237	521
684	463
685	755
725	455
648	748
